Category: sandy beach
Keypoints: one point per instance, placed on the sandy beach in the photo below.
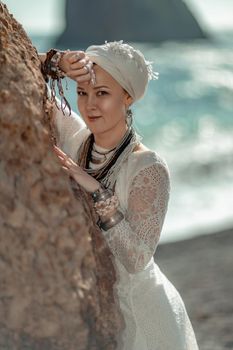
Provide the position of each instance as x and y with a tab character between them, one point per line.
201	268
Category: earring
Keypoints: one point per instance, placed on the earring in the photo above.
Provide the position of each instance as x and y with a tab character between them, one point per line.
129	117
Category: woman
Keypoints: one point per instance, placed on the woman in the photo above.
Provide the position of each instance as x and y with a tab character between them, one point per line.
129	185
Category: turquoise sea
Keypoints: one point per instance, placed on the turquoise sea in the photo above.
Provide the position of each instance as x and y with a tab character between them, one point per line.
187	117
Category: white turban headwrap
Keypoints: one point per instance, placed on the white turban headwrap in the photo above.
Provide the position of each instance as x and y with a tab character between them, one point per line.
125	64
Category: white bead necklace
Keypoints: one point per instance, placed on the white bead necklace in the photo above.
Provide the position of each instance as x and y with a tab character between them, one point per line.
99	155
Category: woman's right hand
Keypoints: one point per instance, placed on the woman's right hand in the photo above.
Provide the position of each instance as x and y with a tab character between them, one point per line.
77	66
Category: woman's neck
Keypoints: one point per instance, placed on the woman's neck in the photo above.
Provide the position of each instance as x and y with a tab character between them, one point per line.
110	139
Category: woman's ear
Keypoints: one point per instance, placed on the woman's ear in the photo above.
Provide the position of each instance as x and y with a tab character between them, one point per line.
128	99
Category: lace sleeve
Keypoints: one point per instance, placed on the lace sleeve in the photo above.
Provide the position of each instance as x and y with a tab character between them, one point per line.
66	125
133	241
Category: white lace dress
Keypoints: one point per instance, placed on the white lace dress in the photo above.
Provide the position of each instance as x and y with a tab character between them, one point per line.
154	313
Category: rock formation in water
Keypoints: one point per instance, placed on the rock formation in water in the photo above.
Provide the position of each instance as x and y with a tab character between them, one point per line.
152	21
56	273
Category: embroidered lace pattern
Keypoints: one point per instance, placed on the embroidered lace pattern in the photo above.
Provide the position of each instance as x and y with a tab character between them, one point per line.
154	313
133	241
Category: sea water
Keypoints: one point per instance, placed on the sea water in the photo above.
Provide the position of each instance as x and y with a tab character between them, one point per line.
187	118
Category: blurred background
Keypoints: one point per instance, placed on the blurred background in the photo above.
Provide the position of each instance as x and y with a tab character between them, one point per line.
187	115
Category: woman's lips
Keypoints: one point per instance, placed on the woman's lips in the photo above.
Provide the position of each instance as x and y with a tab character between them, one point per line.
92	119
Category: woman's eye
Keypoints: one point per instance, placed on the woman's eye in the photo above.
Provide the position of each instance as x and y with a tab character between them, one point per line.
81	93
102	92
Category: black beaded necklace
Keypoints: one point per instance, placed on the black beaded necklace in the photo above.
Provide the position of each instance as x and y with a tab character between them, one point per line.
99	161
84	155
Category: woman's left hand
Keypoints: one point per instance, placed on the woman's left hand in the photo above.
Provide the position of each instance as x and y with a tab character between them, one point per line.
79	175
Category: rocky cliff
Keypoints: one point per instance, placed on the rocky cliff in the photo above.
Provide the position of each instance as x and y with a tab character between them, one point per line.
56	274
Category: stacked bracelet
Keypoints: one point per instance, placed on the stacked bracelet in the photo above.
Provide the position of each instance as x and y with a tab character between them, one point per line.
50	67
51	71
104	207
105	201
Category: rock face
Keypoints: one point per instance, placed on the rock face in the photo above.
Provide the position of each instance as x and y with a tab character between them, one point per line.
56	273
93	22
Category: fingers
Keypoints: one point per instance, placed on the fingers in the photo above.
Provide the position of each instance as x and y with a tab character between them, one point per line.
67	164
80	74
61	155
82	71
59	151
83	64
76	56
80	78
77	66
66	161
73	74
79	62
75	171
80	67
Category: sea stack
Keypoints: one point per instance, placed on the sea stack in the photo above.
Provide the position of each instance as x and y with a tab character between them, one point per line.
150	21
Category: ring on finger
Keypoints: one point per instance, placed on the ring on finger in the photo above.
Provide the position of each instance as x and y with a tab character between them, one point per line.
77	55
87	68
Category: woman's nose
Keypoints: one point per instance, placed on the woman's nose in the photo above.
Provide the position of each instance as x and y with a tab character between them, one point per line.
91	102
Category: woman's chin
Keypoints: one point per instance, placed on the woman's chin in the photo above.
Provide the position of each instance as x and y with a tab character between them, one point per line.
95	128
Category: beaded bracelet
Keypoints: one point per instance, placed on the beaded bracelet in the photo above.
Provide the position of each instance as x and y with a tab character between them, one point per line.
108	199
50	67
51	71
105	207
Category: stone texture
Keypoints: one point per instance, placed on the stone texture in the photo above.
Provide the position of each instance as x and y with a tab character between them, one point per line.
56	272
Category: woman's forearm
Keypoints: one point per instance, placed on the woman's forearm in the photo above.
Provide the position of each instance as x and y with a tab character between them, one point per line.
72	63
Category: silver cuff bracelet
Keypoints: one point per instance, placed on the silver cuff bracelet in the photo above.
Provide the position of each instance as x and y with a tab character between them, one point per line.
101	194
115	219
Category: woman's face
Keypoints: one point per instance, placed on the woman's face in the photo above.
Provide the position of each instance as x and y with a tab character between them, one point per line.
103	105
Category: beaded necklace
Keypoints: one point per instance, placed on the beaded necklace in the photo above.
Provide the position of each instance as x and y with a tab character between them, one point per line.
107	174
99	157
